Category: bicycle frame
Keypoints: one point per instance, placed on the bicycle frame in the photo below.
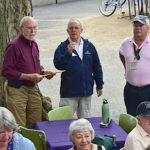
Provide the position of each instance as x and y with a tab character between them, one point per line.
108	7
112	3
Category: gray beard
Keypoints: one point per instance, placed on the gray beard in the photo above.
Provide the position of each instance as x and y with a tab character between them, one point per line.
30	38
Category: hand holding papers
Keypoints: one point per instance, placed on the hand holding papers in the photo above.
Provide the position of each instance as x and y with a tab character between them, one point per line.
52	73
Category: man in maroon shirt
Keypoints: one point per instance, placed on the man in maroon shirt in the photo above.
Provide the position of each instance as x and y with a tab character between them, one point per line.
21	67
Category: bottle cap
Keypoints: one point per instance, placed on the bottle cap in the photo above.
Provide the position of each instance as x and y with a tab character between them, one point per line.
105	101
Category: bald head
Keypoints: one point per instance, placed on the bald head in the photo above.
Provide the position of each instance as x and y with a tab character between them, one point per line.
26	19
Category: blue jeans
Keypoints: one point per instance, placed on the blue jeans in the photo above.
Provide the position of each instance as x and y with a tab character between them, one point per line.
133	96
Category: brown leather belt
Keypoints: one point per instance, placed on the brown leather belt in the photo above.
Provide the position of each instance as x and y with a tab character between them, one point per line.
139	88
29	84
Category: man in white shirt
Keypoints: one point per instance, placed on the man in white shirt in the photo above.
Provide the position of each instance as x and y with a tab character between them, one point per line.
139	137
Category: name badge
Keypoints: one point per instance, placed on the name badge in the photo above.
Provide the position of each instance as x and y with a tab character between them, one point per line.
133	65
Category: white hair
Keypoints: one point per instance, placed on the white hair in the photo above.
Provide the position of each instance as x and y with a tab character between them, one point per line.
74	20
26	17
7	119
80	125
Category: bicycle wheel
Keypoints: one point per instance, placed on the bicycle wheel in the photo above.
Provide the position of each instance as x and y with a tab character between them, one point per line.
107	7
122	2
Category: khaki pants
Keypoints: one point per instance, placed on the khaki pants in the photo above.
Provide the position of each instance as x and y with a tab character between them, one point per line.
80	105
25	104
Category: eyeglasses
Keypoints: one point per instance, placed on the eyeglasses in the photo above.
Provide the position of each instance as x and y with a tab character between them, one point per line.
6	133
76	28
31	28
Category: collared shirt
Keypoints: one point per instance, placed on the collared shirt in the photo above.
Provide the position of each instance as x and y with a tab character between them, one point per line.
137	139
94	147
21	56
78	48
139	75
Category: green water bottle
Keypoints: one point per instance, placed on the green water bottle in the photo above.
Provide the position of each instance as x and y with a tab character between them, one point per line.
105	112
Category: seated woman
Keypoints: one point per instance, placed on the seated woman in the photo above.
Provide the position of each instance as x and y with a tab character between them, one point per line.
81	133
9	138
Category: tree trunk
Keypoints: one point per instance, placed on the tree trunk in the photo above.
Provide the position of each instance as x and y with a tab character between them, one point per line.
11	12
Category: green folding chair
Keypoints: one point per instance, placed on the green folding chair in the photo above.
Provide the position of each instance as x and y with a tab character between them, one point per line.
61	113
38	137
127	122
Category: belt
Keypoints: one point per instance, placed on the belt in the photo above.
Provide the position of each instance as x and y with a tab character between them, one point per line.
29	84
17	84
139	88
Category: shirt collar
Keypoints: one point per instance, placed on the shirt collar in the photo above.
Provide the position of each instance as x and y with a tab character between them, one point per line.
141	130
75	42
147	40
27	41
92	146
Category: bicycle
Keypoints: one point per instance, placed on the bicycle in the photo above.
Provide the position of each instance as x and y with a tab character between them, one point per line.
108	7
141	9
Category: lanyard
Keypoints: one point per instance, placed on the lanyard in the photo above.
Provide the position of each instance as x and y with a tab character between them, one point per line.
136	52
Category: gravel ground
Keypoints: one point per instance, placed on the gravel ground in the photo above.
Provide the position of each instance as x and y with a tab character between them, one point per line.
106	33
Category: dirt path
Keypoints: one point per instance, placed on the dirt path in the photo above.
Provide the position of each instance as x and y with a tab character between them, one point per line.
107	30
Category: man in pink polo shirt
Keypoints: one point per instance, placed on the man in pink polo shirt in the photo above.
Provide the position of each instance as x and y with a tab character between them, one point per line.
135	56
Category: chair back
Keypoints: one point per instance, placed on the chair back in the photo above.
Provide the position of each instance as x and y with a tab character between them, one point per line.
38	137
127	122
61	113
